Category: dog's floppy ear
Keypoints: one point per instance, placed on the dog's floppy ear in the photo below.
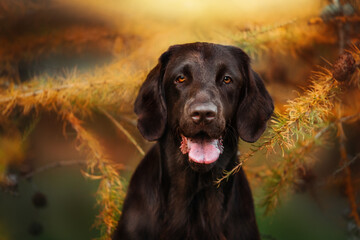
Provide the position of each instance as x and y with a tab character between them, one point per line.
256	106
150	104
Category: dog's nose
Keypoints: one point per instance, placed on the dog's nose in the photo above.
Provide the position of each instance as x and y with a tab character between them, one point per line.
204	112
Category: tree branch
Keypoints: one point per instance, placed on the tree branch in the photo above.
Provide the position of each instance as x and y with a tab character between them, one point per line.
124	131
350	191
65	163
55	89
357	156
54	165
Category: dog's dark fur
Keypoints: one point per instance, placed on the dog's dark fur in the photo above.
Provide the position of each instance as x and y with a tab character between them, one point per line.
170	197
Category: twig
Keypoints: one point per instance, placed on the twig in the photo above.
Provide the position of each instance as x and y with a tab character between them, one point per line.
341	120
34	93
129	120
55	89
319	20
124	131
54	165
65	163
348	181
269	29
347	164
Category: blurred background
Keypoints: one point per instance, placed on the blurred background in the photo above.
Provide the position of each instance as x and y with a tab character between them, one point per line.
69	74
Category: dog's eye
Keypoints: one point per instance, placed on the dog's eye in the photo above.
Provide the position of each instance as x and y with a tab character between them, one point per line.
180	79
227	79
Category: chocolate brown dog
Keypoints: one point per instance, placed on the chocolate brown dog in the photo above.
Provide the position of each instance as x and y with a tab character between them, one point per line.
196	103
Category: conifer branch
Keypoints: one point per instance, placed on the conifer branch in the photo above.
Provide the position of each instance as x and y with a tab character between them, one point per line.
110	192
349	188
301	129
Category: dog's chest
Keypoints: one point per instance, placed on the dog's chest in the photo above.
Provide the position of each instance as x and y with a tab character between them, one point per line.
195	216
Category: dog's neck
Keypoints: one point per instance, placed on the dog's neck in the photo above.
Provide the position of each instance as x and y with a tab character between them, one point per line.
192	193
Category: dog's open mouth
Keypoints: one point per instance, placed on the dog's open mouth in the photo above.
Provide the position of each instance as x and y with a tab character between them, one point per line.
202	150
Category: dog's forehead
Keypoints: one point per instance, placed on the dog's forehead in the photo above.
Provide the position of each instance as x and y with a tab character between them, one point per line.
202	55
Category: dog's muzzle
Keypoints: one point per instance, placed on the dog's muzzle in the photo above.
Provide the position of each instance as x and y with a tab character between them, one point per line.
202	150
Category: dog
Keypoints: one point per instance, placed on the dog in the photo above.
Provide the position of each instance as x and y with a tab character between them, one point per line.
196	103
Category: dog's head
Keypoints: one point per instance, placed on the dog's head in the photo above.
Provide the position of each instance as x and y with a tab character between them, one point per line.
199	91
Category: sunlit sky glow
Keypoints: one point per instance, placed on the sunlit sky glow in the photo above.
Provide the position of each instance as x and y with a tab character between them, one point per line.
254	10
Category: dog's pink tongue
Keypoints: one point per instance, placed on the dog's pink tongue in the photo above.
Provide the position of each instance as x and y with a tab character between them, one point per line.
203	151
